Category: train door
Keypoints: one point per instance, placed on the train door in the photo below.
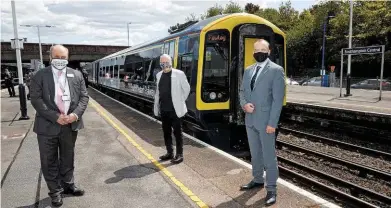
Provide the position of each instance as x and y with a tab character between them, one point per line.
243	39
170	47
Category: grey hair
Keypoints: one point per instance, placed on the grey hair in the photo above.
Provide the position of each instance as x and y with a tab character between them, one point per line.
168	57
52	47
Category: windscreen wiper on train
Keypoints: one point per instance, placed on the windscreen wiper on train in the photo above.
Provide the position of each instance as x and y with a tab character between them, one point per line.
220	49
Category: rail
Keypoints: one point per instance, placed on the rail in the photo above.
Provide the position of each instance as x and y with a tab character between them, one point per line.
347	146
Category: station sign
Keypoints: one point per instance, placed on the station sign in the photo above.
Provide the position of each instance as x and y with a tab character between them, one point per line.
363	50
217	37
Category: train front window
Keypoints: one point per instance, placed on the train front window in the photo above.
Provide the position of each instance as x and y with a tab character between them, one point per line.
215	81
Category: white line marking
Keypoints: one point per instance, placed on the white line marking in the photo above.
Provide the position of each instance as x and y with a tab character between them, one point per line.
301	191
340	108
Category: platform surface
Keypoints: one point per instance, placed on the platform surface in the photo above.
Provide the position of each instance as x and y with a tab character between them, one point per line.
361	100
115	163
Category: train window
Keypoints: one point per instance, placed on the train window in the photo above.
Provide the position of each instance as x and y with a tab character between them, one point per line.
116	72
182	45
111	71
215	81
148	54
189	44
166	48
186	65
172	49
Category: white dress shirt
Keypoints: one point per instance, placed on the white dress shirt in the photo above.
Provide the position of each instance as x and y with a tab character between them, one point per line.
64	82
262	65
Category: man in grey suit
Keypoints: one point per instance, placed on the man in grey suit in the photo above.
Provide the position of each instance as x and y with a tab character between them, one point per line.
261	97
59	96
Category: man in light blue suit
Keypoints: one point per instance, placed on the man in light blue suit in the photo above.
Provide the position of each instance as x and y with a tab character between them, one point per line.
261	97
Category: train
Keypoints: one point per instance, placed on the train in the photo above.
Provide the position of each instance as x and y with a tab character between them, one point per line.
213	53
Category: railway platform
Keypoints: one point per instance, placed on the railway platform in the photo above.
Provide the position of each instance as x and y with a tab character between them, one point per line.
115	162
361	100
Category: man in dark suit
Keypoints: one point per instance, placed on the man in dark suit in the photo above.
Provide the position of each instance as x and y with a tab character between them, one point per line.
59	96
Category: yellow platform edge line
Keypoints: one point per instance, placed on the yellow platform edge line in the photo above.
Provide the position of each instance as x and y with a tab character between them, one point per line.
161	167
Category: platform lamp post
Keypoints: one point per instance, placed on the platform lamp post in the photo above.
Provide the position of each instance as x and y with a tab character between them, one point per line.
39	39
127	24
348	76
328	17
17	44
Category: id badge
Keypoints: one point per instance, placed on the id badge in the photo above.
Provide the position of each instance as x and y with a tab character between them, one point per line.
65	98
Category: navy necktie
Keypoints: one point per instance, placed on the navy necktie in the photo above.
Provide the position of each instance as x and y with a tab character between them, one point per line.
254	77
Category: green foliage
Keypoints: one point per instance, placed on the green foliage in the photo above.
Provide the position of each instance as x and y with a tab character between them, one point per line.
232	7
251	8
213	11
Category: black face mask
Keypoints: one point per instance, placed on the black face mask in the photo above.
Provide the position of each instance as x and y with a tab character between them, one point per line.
260	57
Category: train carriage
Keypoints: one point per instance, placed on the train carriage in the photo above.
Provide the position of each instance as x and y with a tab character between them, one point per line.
213	53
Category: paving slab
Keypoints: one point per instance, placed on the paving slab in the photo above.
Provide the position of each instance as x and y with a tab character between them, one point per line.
361	100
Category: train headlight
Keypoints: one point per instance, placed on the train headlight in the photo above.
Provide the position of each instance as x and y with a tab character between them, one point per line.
212	95
219	95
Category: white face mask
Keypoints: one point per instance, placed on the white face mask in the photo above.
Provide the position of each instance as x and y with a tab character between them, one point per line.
59	64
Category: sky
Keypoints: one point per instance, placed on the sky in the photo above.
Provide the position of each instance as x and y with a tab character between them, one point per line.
104	22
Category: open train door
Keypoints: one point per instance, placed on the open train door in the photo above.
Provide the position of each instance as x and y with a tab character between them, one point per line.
243	39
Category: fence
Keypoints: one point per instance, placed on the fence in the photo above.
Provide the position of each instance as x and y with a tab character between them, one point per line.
354	80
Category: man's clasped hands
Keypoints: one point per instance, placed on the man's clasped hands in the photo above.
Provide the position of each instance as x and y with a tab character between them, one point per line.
66	119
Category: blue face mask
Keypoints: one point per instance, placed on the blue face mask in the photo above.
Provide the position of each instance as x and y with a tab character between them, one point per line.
165	65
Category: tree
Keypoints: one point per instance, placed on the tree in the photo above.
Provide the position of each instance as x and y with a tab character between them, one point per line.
288	14
251	8
232	7
191	17
269	14
213	11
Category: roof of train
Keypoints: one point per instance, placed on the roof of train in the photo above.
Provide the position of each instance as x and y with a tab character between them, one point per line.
193	28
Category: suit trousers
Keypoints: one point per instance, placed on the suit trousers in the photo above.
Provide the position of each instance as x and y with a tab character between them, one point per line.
57	159
263	156
171	121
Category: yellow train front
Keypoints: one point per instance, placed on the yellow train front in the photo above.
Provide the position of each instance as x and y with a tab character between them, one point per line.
213	53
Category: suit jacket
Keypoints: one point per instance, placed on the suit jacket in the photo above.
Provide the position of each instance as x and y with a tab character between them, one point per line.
42	98
267	95
180	90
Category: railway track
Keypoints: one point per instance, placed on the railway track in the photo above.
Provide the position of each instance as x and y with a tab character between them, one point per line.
364	171
354	130
343	192
342	183
339	144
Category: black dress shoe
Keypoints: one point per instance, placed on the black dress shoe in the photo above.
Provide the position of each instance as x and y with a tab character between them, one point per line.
167	156
75	191
251	185
177	159
271	198
57	200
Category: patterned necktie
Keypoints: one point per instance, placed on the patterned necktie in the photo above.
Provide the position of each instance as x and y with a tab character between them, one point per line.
254	78
60	102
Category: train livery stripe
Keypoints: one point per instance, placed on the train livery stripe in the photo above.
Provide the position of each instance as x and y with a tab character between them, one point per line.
163	169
